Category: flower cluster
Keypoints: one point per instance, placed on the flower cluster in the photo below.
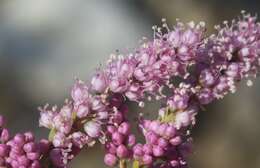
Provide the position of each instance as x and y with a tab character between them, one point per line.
164	145
74	125
181	67
20	150
120	140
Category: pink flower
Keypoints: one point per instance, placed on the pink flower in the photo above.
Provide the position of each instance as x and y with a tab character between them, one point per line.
110	160
182	119
82	110
99	82
47	116
92	128
79	92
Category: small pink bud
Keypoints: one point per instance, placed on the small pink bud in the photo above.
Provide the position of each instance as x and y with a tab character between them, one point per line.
124	128
176	140
4	150
138	150
162	129
111	129
131	140
117	138
147	159
148	149
110	160
146	124
170	131
154	126
15	163
174	163
29	147
111	148
151	138
162	142
19	139
157	151
122	151
118	117
4	135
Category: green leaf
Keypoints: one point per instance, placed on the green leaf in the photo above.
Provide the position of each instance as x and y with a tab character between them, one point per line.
52	134
136	164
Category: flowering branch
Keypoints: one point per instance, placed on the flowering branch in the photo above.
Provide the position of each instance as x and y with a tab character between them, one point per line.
181	67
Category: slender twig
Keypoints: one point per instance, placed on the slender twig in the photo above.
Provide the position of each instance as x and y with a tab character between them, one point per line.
122	164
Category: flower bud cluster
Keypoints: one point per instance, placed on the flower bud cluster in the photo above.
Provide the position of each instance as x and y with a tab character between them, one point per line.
120	143
181	67
76	124
165	145
20	150
120	140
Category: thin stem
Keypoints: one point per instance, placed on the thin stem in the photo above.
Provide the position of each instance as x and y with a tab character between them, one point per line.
122	164
136	164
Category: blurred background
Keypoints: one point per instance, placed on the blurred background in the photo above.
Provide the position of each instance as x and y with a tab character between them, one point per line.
45	44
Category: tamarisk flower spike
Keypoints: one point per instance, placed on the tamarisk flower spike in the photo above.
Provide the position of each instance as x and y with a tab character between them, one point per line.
181	67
